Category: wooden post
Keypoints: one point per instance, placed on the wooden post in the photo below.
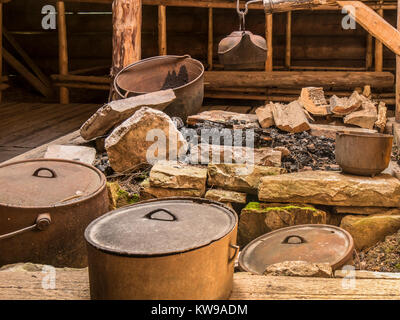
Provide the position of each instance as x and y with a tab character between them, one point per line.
62	49
127	28
268	35
397	112
210	49
288	39
379	49
368	53
1	45
162	30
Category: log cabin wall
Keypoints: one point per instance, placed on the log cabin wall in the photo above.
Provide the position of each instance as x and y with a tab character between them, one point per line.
317	39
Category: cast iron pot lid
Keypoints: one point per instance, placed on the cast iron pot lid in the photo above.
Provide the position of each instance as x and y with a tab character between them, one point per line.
161	227
42	183
315	243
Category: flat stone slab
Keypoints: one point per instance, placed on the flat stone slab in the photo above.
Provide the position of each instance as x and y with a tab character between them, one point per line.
331	188
115	112
239	177
149	192
210	153
77	153
226	196
367	210
175	175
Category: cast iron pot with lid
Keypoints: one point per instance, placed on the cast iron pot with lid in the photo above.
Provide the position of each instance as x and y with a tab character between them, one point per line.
165	249
45	206
315	243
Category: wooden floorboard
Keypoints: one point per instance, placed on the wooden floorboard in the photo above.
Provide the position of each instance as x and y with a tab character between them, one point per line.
25	126
74	284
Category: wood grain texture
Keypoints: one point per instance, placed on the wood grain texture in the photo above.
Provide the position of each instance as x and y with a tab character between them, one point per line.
62	49
74	284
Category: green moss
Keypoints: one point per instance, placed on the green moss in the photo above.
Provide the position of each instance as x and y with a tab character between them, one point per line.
256	206
397	266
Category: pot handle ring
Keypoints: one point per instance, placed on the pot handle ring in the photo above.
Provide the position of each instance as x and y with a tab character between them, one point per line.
233	246
151	213
42	222
36	173
286	240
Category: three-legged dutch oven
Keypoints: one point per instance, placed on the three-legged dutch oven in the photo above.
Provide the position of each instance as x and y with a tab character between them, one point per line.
45	206
171	248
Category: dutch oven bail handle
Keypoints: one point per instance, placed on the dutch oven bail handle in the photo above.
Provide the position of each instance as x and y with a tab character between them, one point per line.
186	56
287	239
42	222
37	171
151	213
236	248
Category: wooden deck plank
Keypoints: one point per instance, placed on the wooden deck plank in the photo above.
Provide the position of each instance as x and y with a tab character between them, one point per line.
25	126
74	284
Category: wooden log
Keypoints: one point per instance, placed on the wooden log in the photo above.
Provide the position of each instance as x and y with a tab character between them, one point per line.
374	24
30	77
382	119
89	79
379	49
290	118
62	49
397	110
82	85
288	39
1	45
265	116
88	70
368	53
162	30
364	118
24	55
127	21
268	36
298	79
210	48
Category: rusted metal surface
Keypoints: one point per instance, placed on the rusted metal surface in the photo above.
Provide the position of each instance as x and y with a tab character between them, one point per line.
366	154
45	206
171	248
151	75
242	50
315	243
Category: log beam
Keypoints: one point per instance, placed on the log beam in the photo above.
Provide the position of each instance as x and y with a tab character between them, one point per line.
62	49
127	26
268	36
379	49
374	24
298	79
210	48
288	48
162	30
397	112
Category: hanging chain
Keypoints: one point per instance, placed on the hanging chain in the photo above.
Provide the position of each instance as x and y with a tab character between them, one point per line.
242	13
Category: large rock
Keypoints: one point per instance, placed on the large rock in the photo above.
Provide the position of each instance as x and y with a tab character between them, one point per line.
77	153
331	188
207	153
149	192
257	219
226	196
299	269
239	177
175	175
367	231
149	135
115	112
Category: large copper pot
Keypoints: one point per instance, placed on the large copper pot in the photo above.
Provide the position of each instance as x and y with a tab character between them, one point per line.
182	74
365	154
164	249
45	206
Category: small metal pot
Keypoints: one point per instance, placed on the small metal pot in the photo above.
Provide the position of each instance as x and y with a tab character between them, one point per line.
365	154
152	74
45	206
171	248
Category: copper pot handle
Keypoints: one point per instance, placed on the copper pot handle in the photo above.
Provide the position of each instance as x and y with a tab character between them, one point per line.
151	213
36	173
42	222
233	246
286	240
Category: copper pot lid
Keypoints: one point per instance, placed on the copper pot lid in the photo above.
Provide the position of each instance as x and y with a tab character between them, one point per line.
43	183
161	227
315	243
